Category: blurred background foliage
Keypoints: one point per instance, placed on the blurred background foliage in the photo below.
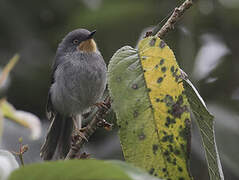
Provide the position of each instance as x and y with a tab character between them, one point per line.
205	43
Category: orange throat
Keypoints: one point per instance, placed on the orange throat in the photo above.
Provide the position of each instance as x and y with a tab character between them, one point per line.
87	46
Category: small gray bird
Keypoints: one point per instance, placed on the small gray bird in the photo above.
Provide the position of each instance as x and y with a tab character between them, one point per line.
78	82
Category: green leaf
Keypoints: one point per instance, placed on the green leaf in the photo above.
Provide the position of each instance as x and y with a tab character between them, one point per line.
205	123
80	170
152	109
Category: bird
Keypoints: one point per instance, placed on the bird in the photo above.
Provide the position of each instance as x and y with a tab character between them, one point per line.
78	81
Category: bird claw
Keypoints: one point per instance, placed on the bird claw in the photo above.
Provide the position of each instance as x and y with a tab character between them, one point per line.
80	133
101	105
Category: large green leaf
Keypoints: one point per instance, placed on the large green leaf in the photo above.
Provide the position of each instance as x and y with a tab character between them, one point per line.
80	170
205	123
151	108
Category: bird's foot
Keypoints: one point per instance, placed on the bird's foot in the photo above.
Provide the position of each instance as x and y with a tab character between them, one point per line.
101	105
80	133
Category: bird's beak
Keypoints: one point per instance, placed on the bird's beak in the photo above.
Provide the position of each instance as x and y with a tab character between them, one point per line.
91	34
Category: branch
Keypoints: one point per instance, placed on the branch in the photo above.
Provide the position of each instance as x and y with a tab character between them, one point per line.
177	13
96	122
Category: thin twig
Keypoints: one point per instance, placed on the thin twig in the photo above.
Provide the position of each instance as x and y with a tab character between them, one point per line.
178	12
22	150
97	121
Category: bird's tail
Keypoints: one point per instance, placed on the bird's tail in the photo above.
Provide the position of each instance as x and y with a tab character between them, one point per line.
57	143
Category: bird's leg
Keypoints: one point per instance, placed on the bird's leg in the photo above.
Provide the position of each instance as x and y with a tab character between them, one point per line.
77	127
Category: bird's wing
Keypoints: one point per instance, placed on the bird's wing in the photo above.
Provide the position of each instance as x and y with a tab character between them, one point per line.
50	111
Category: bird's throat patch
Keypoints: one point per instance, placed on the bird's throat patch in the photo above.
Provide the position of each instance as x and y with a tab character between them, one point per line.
87	46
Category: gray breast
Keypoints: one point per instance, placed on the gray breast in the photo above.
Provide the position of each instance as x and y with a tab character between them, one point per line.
79	83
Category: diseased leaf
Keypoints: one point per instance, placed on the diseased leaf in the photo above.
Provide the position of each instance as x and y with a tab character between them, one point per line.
151	108
205	123
80	170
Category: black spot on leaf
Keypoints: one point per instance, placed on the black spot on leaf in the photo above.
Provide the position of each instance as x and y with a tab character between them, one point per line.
142	136
151	171
168	138
160	79
172	69
155	148
177	110
161	62
166	153
163	69
135	86
169	121
135	114
180	169
168	100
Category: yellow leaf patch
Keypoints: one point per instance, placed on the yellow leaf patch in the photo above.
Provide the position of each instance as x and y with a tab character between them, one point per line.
169	104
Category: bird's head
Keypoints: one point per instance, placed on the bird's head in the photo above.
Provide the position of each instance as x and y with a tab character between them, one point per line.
79	40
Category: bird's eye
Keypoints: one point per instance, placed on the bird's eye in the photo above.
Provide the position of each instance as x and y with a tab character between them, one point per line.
75	41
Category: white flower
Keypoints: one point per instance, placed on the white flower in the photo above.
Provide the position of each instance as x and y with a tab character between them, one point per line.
8	163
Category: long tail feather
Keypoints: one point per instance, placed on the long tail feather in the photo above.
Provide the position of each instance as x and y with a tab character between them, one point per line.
64	142
57	141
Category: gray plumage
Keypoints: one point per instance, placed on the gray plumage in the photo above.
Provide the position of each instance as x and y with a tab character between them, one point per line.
78	82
